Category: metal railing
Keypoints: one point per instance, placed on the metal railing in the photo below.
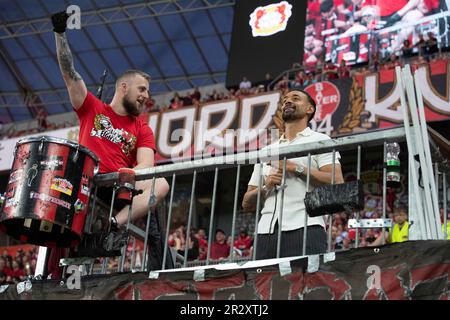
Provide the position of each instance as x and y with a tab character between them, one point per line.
355	142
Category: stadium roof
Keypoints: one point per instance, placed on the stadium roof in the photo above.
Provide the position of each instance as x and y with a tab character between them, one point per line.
182	44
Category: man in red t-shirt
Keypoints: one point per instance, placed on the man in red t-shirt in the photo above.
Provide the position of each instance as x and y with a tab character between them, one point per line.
220	248
243	243
113	131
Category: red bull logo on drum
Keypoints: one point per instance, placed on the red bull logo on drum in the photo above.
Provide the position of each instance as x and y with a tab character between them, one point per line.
268	20
62	185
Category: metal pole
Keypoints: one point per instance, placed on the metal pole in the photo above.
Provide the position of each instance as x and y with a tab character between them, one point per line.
305	228
434	213
169	221
419	143
358	177
91	268
233	224
151	201
330	218
444	191
105	261
41	262
125	248
383	240
133	255
188	230
436	179
280	216
258	207
91	216
211	219
410	141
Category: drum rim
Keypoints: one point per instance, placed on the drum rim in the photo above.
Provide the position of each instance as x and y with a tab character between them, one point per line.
62	141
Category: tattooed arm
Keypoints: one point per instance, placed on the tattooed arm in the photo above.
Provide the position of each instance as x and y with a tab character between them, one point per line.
74	83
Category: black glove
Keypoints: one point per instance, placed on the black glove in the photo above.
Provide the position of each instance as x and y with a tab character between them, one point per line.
393	19
59	21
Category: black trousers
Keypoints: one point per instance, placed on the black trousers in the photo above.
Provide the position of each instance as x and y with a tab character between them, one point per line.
291	243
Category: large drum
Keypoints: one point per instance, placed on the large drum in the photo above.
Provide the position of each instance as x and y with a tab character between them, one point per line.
47	196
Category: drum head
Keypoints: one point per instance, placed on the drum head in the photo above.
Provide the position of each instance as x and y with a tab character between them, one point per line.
65	142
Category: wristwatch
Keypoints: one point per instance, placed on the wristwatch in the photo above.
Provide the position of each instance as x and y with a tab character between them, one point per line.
299	170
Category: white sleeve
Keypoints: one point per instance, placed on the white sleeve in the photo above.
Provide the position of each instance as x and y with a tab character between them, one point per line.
255	176
326	158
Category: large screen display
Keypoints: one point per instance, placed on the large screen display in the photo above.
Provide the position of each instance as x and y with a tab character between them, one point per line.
267	37
354	30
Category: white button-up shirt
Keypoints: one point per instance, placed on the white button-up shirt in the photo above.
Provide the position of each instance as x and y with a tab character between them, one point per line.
294	193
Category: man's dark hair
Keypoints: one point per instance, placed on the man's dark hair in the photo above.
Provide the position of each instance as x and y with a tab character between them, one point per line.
310	100
326	6
401	208
133	72
219	230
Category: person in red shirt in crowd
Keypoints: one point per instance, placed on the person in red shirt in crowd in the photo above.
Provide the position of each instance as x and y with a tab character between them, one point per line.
343	70
243	243
331	71
196	94
113	131
219	248
299	79
4	268
202	243
313	9
17	271
282	84
176	103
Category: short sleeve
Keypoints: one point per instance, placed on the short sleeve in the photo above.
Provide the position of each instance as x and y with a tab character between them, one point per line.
255	176
324	159
88	105
146	139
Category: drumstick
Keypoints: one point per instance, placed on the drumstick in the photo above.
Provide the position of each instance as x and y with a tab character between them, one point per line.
100	89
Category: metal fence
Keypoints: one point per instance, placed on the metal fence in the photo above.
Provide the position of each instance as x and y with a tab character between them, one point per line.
357	143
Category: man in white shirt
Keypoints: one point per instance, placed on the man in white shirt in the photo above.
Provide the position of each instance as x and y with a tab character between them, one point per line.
298	108
245	84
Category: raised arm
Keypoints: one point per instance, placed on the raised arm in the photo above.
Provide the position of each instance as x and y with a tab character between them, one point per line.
75	85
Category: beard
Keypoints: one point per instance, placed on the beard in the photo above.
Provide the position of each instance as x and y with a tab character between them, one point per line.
131	107
292	116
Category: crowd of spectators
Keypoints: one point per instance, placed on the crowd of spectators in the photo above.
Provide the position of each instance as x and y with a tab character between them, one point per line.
220	246
14	269
423	51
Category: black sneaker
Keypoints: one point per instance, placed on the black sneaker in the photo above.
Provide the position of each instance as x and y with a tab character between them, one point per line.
97	245
115	240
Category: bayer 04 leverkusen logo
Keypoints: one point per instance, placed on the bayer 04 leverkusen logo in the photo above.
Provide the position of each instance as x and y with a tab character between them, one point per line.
327	98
